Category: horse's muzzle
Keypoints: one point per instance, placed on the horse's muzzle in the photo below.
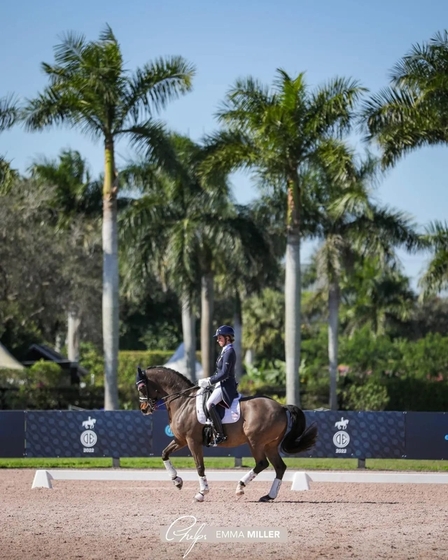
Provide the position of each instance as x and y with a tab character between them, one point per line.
145	408
147	405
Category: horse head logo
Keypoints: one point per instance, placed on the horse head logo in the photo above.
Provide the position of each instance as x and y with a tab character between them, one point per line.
89	424
342	424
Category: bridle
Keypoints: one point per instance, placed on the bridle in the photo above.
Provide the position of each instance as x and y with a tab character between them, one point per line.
152	404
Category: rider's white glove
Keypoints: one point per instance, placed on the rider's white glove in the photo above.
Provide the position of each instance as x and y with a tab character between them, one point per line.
204	382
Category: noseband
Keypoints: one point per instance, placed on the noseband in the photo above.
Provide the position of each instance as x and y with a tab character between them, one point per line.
147	405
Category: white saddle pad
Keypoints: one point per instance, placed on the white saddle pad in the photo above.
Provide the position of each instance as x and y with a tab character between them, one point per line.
231	415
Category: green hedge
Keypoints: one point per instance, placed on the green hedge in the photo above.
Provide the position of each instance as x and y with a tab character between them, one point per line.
129	360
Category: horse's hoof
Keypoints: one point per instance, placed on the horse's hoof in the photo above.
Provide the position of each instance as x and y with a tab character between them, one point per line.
239	490
199	497
178	482
266	498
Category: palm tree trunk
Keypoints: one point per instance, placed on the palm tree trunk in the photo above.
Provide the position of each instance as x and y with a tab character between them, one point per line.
238	344
249	357
333	322
293	293
292	318
73	330
189	335
110	280
207	303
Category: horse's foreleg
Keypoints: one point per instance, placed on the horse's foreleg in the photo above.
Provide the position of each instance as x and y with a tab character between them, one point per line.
170	448
261	464
198	456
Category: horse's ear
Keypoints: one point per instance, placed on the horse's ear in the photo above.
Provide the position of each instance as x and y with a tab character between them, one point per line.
140	375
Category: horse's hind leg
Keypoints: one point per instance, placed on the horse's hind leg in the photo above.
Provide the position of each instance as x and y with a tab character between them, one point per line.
260	464
277	462
170	448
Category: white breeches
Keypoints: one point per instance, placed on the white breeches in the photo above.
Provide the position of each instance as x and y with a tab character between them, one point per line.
215	397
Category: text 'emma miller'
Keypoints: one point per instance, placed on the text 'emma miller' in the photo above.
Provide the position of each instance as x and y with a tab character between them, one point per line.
250	534
186	529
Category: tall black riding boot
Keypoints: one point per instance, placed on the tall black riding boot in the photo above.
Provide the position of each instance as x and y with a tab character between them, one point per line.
217	424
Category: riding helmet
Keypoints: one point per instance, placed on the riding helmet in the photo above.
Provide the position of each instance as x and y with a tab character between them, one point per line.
224	330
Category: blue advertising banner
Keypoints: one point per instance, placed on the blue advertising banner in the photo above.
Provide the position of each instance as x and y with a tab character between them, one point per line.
357	434
427	435
12	433
90	433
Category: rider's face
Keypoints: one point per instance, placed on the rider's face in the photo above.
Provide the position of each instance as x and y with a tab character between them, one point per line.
221	340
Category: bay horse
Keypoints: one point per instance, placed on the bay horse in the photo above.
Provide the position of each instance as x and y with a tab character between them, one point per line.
264	424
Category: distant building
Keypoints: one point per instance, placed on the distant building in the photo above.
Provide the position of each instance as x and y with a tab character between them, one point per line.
37	352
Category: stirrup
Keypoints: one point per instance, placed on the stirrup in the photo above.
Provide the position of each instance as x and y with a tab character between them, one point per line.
220	438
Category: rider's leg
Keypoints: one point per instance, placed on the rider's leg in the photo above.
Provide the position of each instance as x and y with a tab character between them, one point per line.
214	399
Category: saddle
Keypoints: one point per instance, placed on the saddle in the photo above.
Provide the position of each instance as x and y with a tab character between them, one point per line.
227	415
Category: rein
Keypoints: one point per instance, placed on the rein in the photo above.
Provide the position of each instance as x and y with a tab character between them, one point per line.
174	396
142	386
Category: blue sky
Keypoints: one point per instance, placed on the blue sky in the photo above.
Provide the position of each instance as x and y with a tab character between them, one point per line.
225	41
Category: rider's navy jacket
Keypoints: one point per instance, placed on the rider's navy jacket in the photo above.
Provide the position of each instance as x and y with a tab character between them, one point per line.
225	374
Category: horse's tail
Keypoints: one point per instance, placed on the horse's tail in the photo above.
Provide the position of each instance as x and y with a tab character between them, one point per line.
299	438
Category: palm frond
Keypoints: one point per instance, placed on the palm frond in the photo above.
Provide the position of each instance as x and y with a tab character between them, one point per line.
151	139
435	279
225	151
69	52
155	84
331	107
9	112
412	112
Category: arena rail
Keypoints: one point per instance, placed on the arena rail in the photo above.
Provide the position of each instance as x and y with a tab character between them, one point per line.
300	479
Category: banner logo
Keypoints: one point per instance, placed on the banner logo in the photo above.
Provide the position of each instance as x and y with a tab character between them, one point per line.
88	437
341	438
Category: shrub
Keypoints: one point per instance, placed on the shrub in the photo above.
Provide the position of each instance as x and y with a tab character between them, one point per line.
367	396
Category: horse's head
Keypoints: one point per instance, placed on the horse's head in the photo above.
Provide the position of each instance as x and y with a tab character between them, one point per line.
148	393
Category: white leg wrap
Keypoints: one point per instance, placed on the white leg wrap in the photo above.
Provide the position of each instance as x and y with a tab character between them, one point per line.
169	467
203	484
275	488
248	477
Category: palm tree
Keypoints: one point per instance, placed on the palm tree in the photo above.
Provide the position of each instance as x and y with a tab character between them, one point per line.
250	264
350	226
435	278
377	296
280	133
76	192
412	112
76	196
90	89
193	234
144	227
171	226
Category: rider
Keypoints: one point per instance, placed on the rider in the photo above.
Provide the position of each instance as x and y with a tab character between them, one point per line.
225	385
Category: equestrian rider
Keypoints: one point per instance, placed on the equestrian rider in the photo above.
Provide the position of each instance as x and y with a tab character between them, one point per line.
225	385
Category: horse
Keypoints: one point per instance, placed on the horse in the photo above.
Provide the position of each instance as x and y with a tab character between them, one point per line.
264	424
